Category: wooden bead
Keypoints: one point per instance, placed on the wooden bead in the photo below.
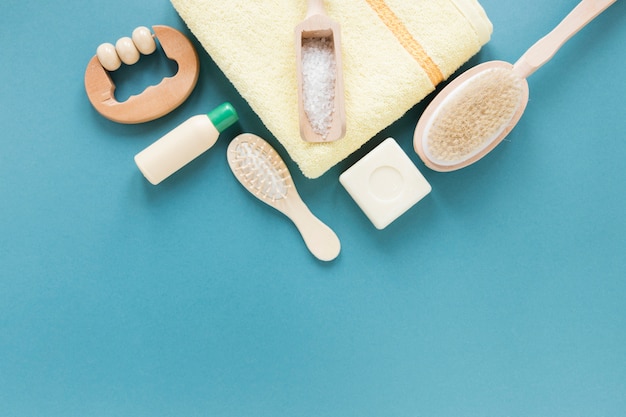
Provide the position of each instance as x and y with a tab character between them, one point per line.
143	40
127	51
107	55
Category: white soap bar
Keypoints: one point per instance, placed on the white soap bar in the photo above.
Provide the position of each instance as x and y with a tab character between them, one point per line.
385	183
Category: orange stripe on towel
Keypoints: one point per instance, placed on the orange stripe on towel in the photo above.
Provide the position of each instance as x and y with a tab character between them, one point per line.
407	41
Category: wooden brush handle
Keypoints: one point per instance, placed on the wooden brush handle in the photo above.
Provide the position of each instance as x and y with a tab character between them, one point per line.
546	47
321	241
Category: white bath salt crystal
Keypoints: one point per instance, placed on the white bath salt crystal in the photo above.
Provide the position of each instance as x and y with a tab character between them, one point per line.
318	83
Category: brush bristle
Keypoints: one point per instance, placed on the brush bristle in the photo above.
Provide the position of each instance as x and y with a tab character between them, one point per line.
471	118
262	170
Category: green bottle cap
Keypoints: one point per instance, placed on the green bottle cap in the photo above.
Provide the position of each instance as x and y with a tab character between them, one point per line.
223	116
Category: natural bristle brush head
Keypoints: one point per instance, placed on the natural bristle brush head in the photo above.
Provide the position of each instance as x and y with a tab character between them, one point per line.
471	116
259	168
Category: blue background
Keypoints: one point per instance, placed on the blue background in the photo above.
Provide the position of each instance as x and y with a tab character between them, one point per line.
502	293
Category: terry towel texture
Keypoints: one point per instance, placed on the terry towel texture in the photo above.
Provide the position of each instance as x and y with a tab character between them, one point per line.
394	53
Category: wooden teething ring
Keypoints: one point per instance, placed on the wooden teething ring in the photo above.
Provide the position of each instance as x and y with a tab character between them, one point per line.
154	101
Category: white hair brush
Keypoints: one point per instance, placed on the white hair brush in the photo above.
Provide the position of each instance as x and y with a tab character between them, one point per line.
259	168
477	110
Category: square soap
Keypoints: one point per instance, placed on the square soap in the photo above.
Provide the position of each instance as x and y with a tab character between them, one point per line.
385	183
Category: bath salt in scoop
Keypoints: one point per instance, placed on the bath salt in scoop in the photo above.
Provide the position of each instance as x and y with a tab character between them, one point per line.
472	115
321	105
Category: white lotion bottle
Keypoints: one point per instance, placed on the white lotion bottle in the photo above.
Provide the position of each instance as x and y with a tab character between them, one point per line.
183	144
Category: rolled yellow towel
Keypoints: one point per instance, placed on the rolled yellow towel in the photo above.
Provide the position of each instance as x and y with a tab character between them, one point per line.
394	54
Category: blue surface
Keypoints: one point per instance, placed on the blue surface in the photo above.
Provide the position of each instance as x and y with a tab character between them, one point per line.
502	293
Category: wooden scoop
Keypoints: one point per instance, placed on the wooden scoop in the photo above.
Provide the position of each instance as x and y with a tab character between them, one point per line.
319	74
